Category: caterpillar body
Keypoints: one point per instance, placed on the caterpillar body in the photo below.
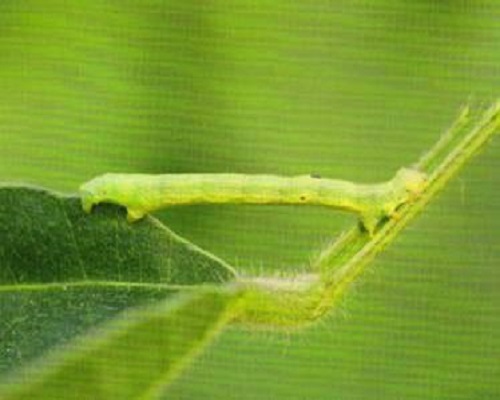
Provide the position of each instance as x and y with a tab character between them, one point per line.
143	193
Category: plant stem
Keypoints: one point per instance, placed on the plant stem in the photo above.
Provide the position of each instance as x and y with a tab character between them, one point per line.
281	303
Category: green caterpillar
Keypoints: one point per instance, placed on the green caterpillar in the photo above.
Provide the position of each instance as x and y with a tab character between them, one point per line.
142	193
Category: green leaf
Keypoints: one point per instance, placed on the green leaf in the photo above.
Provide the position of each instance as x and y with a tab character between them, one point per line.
132	357
47	238
62	272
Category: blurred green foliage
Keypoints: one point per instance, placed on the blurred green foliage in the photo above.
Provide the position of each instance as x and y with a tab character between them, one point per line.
348	89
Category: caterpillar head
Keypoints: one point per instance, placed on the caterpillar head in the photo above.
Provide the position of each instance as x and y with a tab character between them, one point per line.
406	186
412	180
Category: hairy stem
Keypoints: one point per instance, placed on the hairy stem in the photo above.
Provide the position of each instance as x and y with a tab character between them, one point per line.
283	303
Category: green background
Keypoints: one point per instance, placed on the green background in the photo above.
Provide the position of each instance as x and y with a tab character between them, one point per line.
347	89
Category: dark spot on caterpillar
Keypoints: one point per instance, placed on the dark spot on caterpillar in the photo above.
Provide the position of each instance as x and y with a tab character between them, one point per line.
315	176
303	198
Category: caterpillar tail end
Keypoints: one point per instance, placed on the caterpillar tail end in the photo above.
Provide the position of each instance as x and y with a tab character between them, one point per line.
87	203
134	215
